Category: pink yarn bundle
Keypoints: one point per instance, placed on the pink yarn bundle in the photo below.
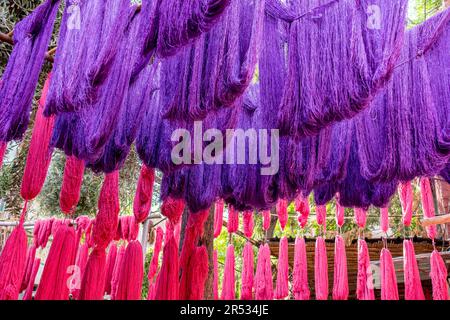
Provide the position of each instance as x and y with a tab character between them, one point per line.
364	281
153	268
389	290
13	262
132	273
117	271
125	227
413	284
31	254
229	281
197	275
249	223
406	199
110	263
80	262
263	277
30	287
247	272
427	205
233	220
144	193
321	270
282	287
216	275
340	283
3	147
167	284
266	220
384	219
438	276
361	217
172	209
55	276
71	185
93	281
340	214
282	211
321	212
218	218
302	208
300	284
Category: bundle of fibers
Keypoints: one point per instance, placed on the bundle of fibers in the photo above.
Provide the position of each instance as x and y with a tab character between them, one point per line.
282	212
340	214
216	275
364	284
54	279
389	290
438	276
427	205
228	284
39	153
249	223
266	219
302	208
406	196
247	272
194	278
93	281
3	147
13	262
360	217
153	268
282	287
71	185
218	218
44	232
172	209
411	140
30	286
356	72
110	264
233	220
144	193
321	270
300	286
340	284
132	273
80	263
117	271
167	284
384	219
125	226
31	254
263	276
321	215
31	39
84	64
413	284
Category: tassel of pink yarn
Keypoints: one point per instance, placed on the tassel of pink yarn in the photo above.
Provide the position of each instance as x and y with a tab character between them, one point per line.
30	287
263	277
360	217
364	284
144	192
266	220
228	285
3	147
153	268
110	263
216	275
389	289
167	284
198	274
321	212
132	273
427	205
249	223
31	253
406	199
300	284
340	214
282	212
117	271
340	284
218	218
282	287
438	276
384	219
80	262
321	270
302	209
233	220
413	284
247	272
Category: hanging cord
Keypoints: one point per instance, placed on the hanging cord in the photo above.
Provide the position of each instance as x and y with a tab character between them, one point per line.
23	214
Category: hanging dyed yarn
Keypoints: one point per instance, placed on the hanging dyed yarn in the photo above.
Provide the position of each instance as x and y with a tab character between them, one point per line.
117	271
3	148
144	193
413	284
80	263
321	215
71	185
389	290
132	273
384	219
340	214
228	284
110	263
247	272
300	286
29	291
153	268
249	223
263	276
427	205
340	284
321	270
266	219
302	208
360	217
18	84
406	199
282	212
218	218
31	254
364	285
438	276
233	220
282	287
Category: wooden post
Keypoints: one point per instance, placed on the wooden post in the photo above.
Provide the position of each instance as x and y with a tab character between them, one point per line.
208	241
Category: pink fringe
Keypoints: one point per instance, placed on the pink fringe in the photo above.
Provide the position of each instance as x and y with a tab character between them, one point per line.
438	276
384	219
247	272
340	284
300	284
263	277
93	282
282	212
340	214
31	253
364	284
321	212
248	224
29	292
360	217
389	290
218	218
282	288
413	284
321	270
110	263
302	208
115	279
80	262
197	274
167	284
406	199
428	205
266	220
233	220
228	285
132	273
